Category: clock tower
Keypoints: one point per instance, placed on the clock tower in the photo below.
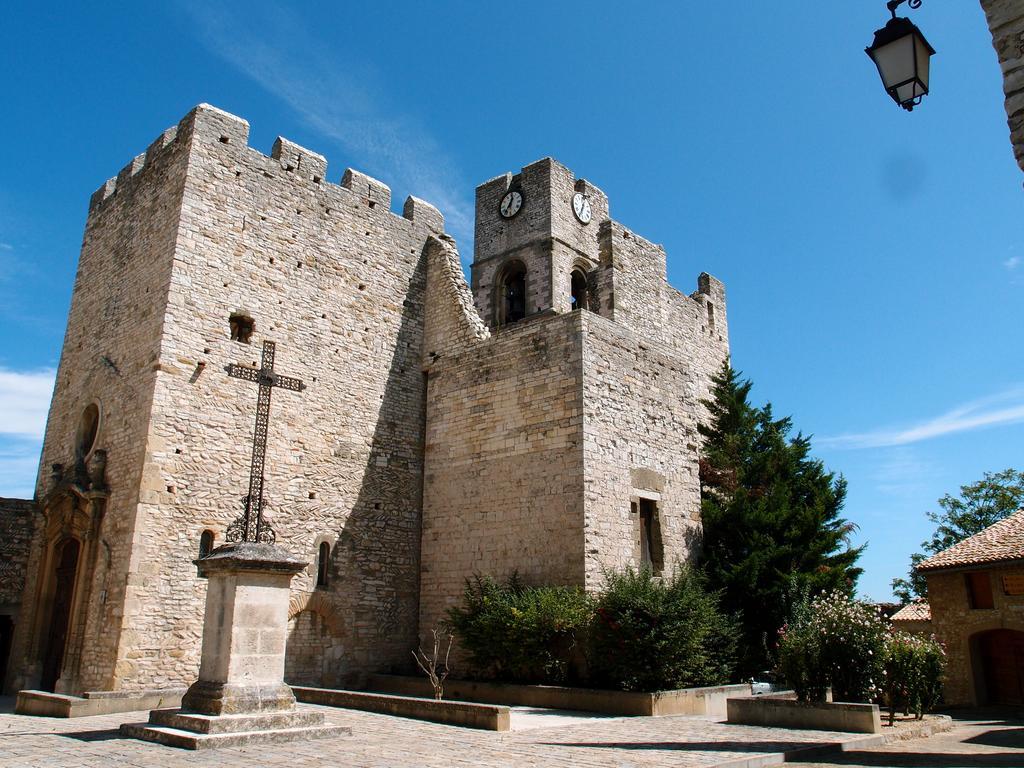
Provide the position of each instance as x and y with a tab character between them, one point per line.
536	243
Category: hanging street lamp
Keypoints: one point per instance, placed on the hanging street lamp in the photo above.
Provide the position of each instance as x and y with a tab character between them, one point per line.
902	55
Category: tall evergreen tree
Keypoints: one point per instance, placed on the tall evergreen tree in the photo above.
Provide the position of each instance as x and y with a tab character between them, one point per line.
772	529
979	505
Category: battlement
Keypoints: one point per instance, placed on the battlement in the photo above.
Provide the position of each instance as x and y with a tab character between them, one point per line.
208	125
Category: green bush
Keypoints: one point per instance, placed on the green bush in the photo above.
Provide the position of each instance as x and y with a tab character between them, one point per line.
834	641
914	668
653	634
521	634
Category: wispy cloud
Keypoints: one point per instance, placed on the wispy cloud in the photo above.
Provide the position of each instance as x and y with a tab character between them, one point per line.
6	247
24	401
1003	408
900	472
19	462
271	45
1012	263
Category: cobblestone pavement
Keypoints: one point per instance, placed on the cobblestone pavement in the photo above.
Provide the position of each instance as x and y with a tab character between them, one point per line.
979	739
392	742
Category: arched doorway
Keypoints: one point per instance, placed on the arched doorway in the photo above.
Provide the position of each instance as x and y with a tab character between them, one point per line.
60	618
999	666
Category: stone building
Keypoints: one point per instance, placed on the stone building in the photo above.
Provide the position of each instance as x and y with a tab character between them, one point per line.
915	618
1006	22
542	420
976	596
16	519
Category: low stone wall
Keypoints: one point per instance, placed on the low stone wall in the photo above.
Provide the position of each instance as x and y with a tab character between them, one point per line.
46	704
788	713
687	701
484	716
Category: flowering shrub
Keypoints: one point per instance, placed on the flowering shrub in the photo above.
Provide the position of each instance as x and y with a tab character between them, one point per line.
834	641
914	667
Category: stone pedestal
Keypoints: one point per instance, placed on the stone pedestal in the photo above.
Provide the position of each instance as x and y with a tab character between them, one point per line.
240	696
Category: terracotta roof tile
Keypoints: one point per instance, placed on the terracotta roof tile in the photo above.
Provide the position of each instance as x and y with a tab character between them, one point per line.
919	610
1000	541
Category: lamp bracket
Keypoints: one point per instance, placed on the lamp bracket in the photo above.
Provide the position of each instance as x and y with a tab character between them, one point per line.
892	5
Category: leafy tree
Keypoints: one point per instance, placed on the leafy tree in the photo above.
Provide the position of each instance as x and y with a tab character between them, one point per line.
772	529
980	504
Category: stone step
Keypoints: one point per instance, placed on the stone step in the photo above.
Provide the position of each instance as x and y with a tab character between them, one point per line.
260	721
176	737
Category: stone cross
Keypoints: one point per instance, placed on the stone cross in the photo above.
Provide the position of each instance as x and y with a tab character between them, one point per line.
251	525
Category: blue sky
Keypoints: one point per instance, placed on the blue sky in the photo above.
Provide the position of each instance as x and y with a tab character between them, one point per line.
874	277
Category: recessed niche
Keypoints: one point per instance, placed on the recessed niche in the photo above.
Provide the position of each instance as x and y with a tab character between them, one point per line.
88	430
241	327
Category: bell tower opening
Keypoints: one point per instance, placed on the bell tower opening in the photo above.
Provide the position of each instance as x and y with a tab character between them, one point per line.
578	289
511	303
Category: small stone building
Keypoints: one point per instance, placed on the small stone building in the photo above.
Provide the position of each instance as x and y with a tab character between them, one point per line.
915	618
17	517
976	596
542	419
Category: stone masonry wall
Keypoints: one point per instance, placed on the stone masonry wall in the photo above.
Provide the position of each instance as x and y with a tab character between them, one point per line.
955	623
503	476
336	280
110	349
17	518
1006	22
640	440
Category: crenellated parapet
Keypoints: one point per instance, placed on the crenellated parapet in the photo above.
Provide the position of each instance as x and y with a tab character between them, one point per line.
228	134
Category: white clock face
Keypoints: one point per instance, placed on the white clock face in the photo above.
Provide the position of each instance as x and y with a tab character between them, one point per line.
581	207
511	203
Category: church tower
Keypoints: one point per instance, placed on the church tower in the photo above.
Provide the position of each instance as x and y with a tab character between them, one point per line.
536	242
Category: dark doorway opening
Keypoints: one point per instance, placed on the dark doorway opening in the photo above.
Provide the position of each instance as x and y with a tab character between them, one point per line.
60	617
1000	656
6	636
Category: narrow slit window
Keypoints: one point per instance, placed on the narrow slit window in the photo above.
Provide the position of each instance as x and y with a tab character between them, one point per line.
651	550
322	561
711	317
205	545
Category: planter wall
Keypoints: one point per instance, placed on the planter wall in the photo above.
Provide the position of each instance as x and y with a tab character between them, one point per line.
484	716
686	701
789	713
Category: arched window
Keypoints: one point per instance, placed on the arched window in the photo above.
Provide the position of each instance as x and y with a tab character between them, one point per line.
512	294
322	561
205	546
579	289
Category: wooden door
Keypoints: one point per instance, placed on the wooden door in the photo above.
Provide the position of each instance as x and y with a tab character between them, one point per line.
1002	658
60	617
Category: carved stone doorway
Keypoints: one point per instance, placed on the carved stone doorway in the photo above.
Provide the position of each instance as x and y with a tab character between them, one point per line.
60	619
